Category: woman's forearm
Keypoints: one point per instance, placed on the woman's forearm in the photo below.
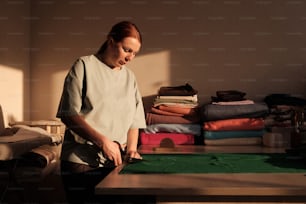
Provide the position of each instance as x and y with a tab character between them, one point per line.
78	125
132	139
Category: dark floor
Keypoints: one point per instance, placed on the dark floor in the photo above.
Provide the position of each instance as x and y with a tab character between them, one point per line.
30	184
33	185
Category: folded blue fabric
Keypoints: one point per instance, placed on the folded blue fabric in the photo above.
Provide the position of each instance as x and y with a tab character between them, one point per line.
211	112
232	134
194	129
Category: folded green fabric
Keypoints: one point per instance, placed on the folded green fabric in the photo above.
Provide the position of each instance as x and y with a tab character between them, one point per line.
216	163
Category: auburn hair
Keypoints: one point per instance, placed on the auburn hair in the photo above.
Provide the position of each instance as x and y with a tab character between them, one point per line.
120	31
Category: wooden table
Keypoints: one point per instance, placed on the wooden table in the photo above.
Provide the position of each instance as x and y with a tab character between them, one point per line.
225	187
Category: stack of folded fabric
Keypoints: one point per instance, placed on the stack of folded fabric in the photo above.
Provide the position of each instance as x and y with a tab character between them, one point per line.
286	115
231	119
174	115
282	109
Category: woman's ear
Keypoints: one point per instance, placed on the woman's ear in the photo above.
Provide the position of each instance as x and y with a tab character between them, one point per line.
110	40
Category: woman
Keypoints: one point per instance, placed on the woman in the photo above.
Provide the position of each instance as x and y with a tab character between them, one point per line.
102	109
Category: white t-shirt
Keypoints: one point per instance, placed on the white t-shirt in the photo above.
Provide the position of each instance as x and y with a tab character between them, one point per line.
109	100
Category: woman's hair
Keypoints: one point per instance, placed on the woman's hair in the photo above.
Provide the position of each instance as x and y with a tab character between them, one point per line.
120	31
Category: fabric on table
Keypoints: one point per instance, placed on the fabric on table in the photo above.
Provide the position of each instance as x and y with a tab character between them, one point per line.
178	109
25	139
182	103
187	98
152	118
230	95
182	90
232	134
215	163
284	99
39	157
235	124
242	102
194	129
162	112
211	112
156	138
280	116
234	141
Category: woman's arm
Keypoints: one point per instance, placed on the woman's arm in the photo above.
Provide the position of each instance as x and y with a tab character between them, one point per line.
109	148
132	141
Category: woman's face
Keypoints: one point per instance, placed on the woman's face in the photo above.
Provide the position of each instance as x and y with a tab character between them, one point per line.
123	52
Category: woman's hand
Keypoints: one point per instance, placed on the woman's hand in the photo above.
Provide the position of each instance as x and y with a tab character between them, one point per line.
133	156
112	152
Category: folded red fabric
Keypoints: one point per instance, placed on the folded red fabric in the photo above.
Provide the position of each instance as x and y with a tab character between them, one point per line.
156	138
234	124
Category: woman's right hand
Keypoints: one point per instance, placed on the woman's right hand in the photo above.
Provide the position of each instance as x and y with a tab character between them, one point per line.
109	148
112	152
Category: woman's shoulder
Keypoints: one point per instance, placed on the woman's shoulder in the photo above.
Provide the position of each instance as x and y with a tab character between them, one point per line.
87	58
128	71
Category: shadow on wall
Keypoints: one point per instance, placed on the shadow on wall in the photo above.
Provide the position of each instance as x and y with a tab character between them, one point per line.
148	102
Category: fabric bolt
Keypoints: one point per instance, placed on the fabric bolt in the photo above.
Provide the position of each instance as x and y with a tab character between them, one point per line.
234	141
280	115
162	112
212	112
184	98
182	90
242	102
215	163
194	129
152	118
178	109
284	99
182	103
156	138
235	124
24	140
208	135
229	95
39	157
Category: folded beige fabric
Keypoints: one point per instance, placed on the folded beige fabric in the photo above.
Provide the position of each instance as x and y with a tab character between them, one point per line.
24	140
39	157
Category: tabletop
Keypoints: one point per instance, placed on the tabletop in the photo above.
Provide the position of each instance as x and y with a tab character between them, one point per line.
265	186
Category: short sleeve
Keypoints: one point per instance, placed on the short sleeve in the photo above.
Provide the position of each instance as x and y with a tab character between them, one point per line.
139	119
71	99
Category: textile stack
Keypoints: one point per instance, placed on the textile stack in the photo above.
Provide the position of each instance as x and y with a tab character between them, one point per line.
282	108
231	119
174	115
286	117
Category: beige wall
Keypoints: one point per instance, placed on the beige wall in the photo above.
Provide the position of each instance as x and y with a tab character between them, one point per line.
255	46
15	50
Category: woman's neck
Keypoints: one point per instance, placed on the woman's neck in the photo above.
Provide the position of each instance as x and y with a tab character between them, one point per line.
102	57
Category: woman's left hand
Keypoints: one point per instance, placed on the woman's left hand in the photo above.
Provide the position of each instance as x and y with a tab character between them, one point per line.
133	155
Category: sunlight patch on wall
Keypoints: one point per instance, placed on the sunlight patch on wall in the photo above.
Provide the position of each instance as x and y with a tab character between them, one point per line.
152	71
11	97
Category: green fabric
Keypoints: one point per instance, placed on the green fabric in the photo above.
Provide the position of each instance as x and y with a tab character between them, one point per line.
215	163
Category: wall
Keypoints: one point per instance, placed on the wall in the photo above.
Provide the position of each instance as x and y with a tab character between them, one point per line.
15	49
256	46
